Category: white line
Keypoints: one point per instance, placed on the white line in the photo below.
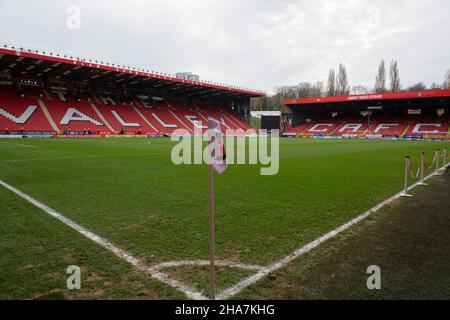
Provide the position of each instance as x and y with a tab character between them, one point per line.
219	263
138	264
84	157
18	144
232	291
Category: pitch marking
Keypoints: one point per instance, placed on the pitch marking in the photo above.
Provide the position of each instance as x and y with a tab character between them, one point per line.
232	291
85	157
219	263
18	144
138	264
192	293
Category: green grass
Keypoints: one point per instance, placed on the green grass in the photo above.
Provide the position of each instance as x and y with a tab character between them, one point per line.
255	122
199	276
409	240
128	191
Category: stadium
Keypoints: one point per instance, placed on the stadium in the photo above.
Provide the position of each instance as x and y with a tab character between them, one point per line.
35	85
93	206
409	115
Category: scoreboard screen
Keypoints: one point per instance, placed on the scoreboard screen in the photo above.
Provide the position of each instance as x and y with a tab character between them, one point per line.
270	122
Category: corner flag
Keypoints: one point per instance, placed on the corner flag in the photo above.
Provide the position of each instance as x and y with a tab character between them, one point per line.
217	151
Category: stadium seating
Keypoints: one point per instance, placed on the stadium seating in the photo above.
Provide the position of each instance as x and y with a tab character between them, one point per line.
380	126
126	118
106	115
321	128
394	129
188	115
428	129
103	114
21	114
237	119
162	119
351	129
76	116
299	129
223	117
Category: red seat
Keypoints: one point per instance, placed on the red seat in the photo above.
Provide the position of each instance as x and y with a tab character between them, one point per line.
119	116
76	116
18	113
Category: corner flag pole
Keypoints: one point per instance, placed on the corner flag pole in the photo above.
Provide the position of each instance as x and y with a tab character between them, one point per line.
218	163
212	241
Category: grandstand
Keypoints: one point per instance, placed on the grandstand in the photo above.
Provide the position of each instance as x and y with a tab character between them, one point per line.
55	94
410	115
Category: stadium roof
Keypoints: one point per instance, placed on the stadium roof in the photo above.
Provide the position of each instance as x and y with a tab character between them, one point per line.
38	64
398	98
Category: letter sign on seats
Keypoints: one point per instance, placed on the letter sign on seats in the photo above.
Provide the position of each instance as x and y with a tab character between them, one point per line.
195	122
385	126
354	127
23	118
317	126
70	116
123	122
418	128
165	125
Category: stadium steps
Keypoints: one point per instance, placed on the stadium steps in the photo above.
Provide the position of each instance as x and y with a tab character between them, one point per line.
200	113
230	120
305	129
47	114
100	115
232	124
145	119
179	120
365	132
334	130
405	131
244	125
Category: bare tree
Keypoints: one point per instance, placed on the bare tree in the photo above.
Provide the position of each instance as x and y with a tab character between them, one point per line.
417	87
394	74
436	86
359	89
342	86
318	89
331	84
380	81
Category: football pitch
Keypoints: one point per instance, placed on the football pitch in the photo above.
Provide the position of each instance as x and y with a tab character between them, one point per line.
128	191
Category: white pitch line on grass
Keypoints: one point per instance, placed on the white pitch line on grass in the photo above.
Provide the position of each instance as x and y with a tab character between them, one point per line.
138	264
219	263
84	157
18	144
232	291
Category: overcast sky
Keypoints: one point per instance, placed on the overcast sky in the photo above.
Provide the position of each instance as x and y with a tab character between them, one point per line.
259	44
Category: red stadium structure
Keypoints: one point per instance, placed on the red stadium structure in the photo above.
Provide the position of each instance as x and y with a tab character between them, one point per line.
54	94
410	115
